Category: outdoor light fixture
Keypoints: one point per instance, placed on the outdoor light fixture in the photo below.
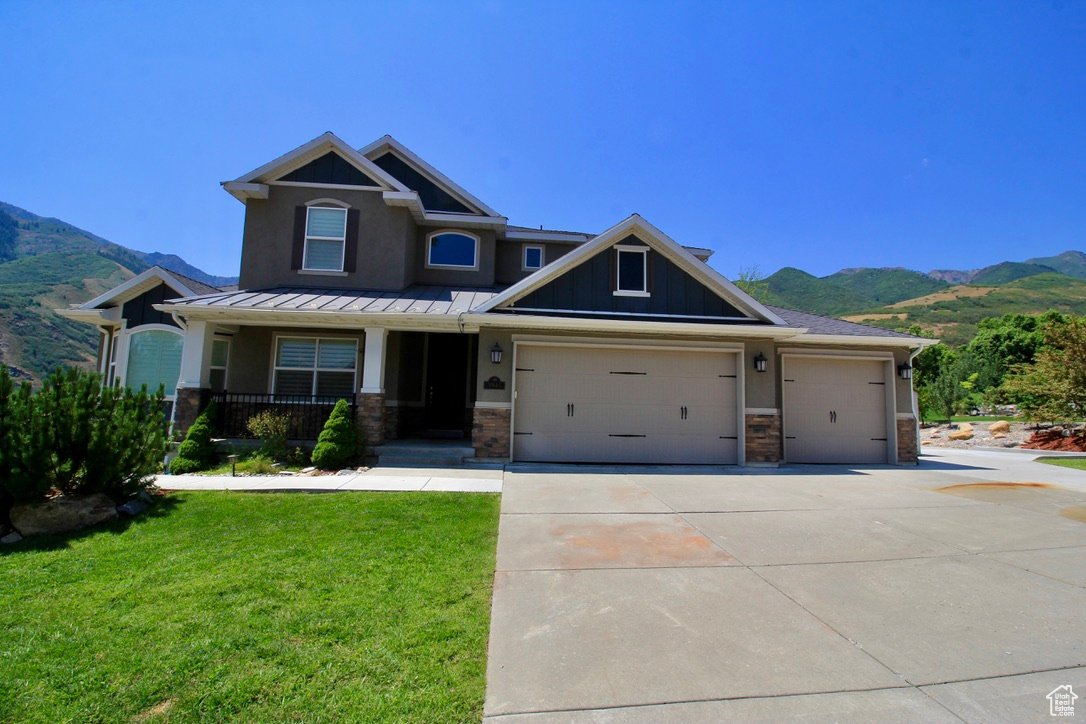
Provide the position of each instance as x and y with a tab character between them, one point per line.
905	371
760	362
496	354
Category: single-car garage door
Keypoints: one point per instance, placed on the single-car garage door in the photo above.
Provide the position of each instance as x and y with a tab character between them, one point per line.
617	405
834	410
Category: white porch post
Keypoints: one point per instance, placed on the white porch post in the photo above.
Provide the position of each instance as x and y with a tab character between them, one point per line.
373	363
196	355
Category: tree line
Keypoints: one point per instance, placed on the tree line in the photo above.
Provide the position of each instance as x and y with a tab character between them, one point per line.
1035	362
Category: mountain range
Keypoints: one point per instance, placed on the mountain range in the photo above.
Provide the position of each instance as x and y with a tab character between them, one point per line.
47	264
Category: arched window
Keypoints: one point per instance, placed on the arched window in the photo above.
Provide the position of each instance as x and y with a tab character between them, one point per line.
154	358
452	250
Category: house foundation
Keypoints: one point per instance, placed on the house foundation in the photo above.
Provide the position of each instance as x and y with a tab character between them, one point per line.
490	432
763	438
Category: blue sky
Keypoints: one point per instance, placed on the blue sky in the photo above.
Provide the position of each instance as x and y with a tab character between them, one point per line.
820	134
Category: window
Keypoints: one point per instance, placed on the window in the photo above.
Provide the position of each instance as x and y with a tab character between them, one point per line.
452	249
533	258
325	238
312	366
113	345
632	272
220	355
154	358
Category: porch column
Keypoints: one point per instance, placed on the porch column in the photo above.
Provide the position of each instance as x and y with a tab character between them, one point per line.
195	374
370	401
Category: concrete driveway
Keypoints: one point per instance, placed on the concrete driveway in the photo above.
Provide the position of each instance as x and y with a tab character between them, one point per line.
822	593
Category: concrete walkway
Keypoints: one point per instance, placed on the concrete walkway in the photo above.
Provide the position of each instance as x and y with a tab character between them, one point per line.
464	480
824	593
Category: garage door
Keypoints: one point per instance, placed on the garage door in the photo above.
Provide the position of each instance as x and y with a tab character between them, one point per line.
834	410
607	405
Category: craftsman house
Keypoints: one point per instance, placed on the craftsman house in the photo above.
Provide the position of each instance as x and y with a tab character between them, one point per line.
369	275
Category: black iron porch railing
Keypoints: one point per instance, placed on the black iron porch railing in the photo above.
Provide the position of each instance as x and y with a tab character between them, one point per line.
307	413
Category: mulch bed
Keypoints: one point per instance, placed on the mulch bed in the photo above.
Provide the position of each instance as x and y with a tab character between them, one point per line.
1057	439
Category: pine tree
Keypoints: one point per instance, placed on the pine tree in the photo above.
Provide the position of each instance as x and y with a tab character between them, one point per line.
338	443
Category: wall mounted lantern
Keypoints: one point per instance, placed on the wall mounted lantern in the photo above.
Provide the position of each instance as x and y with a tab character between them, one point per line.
905	371
760	362
496	354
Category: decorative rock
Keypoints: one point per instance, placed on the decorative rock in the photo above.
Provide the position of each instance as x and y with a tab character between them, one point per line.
999	436
960	435
286	472
145	497
965	427
132	507
12	537
62	515
308	470
999	426
346	471
925	442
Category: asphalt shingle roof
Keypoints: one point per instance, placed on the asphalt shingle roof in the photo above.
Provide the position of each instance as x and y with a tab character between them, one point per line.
817	324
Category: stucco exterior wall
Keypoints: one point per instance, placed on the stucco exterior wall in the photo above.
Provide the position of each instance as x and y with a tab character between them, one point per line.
385	241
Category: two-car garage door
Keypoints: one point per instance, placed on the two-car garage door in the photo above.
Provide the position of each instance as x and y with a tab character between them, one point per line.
625	405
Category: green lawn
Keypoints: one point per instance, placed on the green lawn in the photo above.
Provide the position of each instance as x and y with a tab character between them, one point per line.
1076	463
255	607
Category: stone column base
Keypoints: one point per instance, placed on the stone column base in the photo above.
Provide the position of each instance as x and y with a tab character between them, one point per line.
907	451
370	417
392	422
490	431
187	406
763	433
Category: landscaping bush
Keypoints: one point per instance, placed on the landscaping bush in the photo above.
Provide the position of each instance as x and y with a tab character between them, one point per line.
338	444
76	437
273	429
197	452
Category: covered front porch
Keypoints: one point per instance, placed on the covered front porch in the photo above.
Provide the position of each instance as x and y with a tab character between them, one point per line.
402	384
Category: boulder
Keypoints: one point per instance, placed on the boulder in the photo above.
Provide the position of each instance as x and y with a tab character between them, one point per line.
961	435
132	508
62	515
965	427
11	537
999	426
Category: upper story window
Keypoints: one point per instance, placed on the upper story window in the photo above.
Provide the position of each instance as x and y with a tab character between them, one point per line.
452	250
325	238
631	272
533	258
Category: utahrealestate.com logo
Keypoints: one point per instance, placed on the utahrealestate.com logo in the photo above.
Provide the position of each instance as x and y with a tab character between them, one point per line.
1061	701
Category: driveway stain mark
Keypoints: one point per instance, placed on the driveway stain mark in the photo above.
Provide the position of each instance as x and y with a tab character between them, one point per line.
641	544
1075	512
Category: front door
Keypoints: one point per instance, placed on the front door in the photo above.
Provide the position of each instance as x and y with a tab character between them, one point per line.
447	358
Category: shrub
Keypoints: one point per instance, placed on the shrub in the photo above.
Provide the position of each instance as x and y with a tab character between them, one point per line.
272	428
75	436
338	443
197	452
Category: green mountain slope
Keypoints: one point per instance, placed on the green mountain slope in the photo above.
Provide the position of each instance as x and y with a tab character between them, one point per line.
56	264
886	286
953	313
1006	272
1071	263
796	289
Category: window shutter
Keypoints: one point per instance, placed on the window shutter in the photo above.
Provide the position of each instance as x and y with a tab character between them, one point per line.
350	252
649	276
614	269
298	250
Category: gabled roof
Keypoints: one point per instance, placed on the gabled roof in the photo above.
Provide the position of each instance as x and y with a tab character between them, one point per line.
149	279
660	242
242	187
388	143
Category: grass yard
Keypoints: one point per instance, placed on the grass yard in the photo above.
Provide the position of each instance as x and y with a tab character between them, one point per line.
255	607
1076	463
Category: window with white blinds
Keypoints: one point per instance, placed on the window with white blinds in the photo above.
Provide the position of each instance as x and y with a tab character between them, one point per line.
154	358
325	238
315	366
